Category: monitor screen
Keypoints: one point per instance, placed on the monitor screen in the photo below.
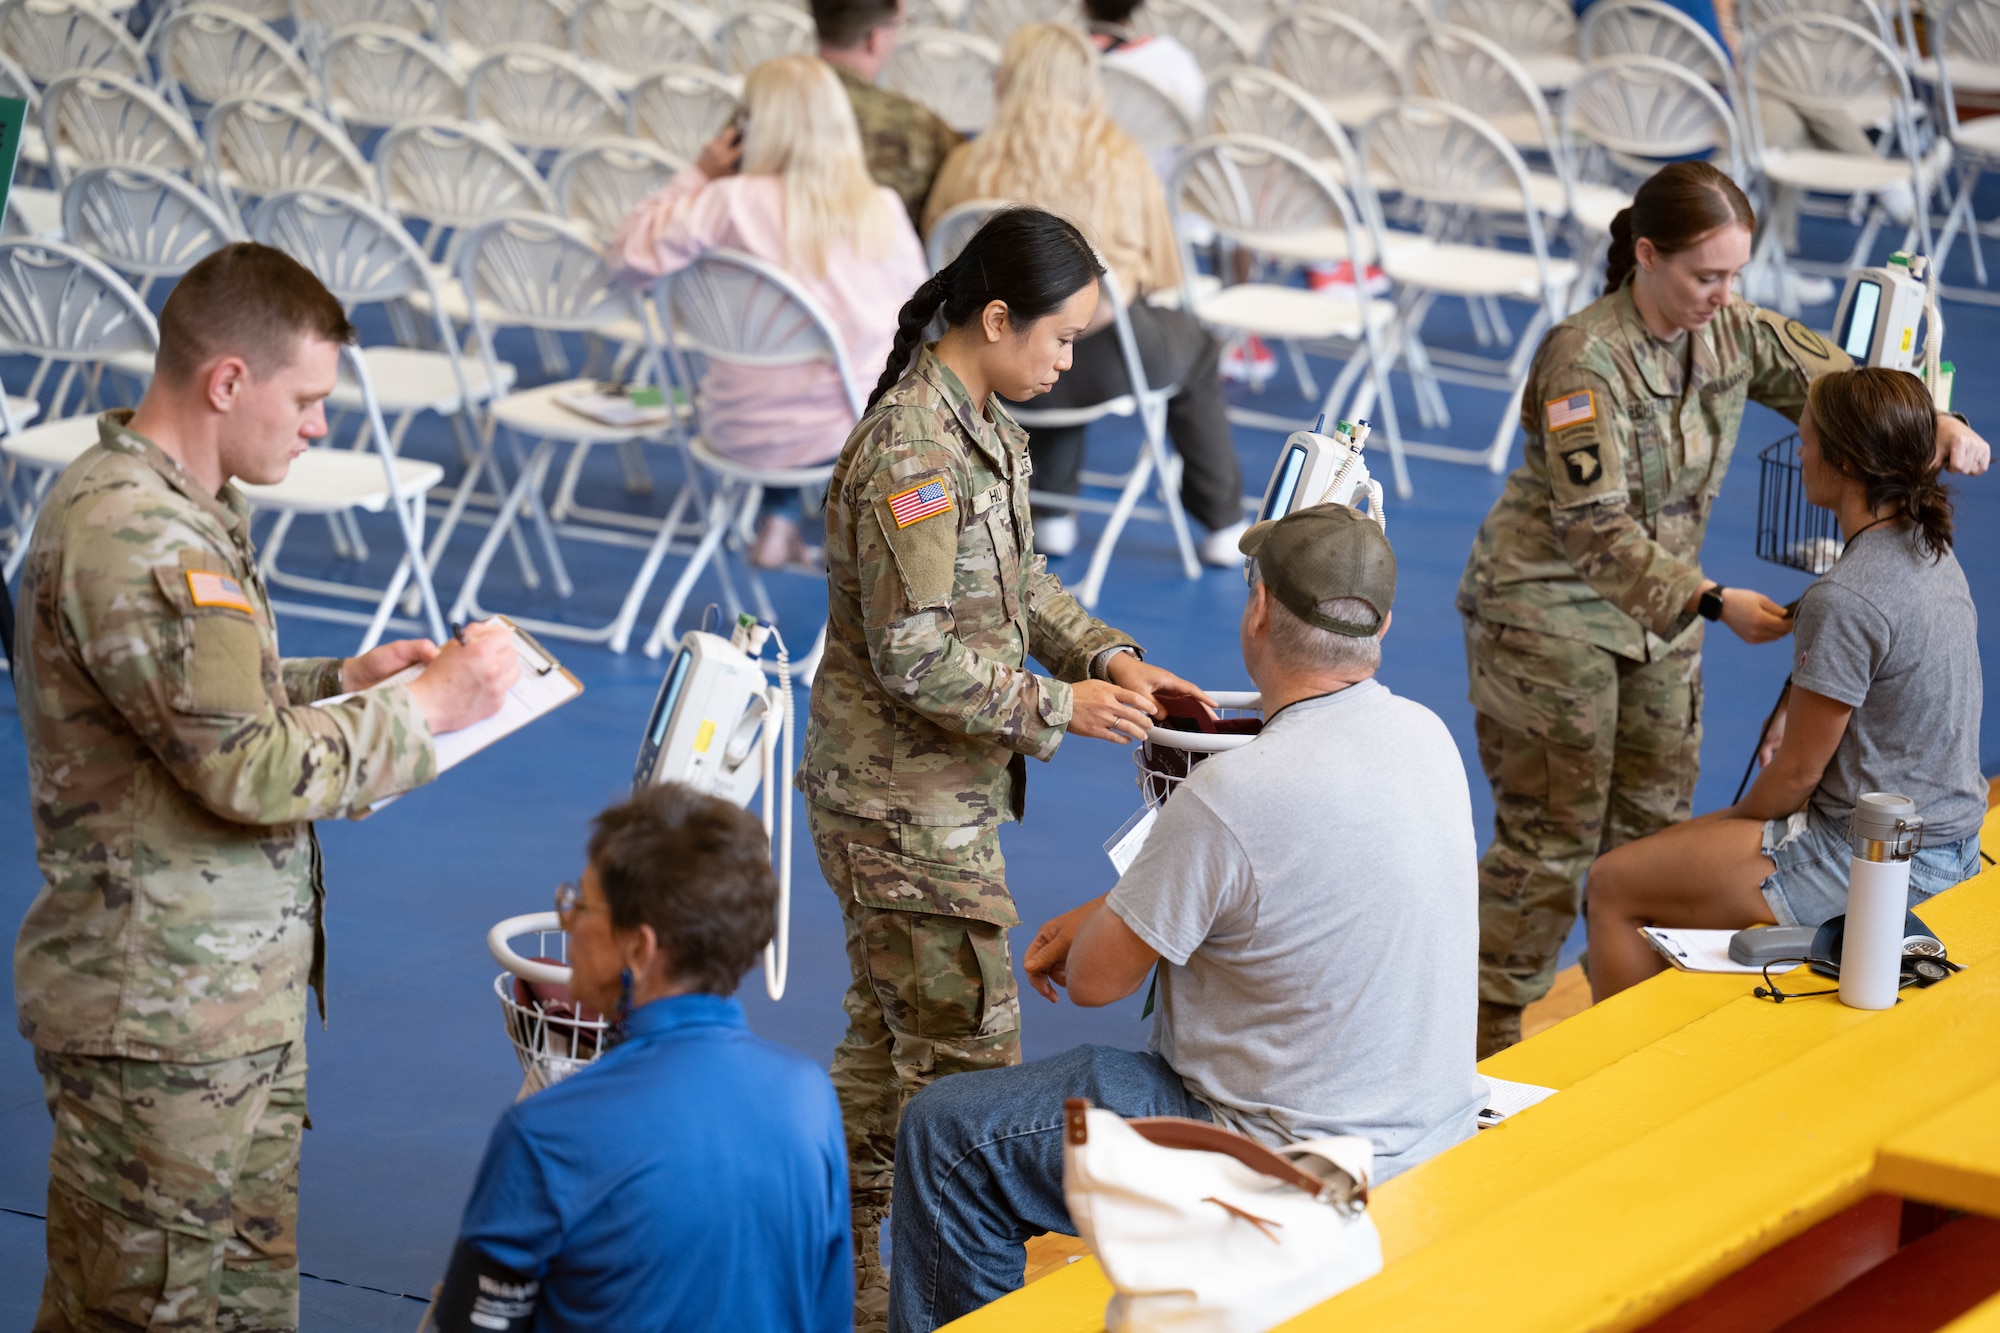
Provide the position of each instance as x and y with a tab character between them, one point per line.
670	695
1858	338
1290	470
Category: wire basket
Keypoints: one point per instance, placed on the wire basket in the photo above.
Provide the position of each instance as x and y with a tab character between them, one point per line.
1791	530
1170	751
553	1035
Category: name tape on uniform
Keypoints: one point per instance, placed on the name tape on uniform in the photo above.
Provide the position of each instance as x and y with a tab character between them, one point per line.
211	589
1572	410
919	503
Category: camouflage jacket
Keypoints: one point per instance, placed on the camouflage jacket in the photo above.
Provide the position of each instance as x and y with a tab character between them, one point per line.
904	141
923	708
1598	534
173	770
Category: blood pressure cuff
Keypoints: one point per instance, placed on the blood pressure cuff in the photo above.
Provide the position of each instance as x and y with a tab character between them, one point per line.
481	1296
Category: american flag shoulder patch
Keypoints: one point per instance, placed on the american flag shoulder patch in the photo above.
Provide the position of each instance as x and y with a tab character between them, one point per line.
208	588
924	500
1571	409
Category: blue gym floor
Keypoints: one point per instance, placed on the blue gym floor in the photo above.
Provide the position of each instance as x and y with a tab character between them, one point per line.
414	1066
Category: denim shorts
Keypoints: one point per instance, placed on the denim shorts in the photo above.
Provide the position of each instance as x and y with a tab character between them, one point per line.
1810	883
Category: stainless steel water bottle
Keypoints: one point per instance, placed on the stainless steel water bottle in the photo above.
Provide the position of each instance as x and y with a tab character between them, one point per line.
1884	832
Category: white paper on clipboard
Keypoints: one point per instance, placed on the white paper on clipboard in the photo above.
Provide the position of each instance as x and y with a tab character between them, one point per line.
1123	846
1696	950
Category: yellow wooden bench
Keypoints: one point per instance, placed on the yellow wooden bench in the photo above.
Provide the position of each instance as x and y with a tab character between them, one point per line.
1697	1128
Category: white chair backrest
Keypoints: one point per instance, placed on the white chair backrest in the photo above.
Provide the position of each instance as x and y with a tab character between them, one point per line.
1250	188
636	36
682	107
416	16
211	51
1468	69
1438	153
737	308
1827	64
761	31
455	175
949	72
541	98
1149	113
1648	108
1650	28
486	25
98	117
1396	22
14	82
50	38
932	13
1756	16
378	75
142	221
1245	101
955	227
1523	27
1333	55
60	304
262	144
541	272
1203	28
996	20
359	252
600	181
1968	30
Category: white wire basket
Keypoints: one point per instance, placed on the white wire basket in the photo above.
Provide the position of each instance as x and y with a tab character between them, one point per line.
553	1035
1170	751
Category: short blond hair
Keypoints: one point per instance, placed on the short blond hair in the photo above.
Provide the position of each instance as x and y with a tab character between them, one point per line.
801	130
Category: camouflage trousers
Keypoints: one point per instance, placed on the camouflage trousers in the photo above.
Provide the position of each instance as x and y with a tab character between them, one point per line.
1586	750
933	993
173	1192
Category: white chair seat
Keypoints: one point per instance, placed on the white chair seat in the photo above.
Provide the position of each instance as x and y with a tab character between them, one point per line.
536	412
1597	205
1169	298
413	379
1980	136
51	447
133	362
1835	173
1474	270
37	212
815	475
1356	109
1967	76
1552	71
327	481
1289	312
1307	245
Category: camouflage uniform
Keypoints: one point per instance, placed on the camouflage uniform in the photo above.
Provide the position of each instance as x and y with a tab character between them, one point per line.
161	970
1585	663
904	141
923	716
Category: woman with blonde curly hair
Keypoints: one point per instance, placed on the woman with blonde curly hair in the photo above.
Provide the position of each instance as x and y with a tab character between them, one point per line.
787	184
1052	144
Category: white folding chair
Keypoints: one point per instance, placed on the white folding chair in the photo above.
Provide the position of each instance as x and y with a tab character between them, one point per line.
544	273
1267	197
51	38
631	38
682	107
91	117
949	72
69	312
1651	28
329	16
1339	60
600	181
1244	99
996	20
1539	34
145	223
735	308
1444	159
377	75
1756	16
762	31
933	13
471	28
955	228
1642	112
1965	41
1153	117
1215	38
206	52
542	99
1396	22
258	145
1835	66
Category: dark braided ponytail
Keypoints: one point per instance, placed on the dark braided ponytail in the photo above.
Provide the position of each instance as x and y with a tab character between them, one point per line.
1878	427
1027	258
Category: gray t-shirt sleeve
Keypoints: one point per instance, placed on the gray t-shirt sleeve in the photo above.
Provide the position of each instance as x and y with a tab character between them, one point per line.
1840	643
1190	881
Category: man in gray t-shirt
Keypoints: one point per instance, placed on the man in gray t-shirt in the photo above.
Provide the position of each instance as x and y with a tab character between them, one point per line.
1310	902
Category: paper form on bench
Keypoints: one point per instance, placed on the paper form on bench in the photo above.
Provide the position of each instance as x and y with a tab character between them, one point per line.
1696	950
1504	1098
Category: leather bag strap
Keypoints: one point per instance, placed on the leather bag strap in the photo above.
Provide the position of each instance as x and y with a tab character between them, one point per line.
1172	1131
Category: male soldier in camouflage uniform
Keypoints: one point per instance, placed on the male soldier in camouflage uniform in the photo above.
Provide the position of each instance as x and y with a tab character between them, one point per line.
1581	598
923	716
174	770
904	141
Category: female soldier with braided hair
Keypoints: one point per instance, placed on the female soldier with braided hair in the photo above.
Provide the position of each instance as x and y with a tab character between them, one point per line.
1885	696
923	710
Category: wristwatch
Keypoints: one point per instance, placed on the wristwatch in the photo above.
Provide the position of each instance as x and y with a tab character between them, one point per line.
1710	604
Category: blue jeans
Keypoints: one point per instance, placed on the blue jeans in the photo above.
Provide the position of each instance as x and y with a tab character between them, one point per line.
1810	881
979	1170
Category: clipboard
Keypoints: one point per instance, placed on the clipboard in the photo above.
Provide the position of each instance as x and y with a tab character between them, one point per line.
545	685
1696	950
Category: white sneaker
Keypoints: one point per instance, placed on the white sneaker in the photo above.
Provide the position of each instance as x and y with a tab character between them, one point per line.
1218	548
1056	534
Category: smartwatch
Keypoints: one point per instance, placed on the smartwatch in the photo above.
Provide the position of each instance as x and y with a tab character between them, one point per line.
1710	604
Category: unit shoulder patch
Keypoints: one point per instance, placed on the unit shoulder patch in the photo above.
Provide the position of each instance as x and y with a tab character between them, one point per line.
1811	350
1584	463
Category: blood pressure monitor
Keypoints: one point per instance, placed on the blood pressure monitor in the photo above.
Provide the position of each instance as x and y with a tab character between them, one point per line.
1879	314
1315	469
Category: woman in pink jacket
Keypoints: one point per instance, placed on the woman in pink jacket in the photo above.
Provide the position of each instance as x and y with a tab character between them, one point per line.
788	184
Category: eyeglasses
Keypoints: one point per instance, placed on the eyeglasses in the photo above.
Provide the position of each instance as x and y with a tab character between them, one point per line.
569	903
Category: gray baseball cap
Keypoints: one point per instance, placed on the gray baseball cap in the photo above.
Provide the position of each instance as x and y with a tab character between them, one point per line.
1319	554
